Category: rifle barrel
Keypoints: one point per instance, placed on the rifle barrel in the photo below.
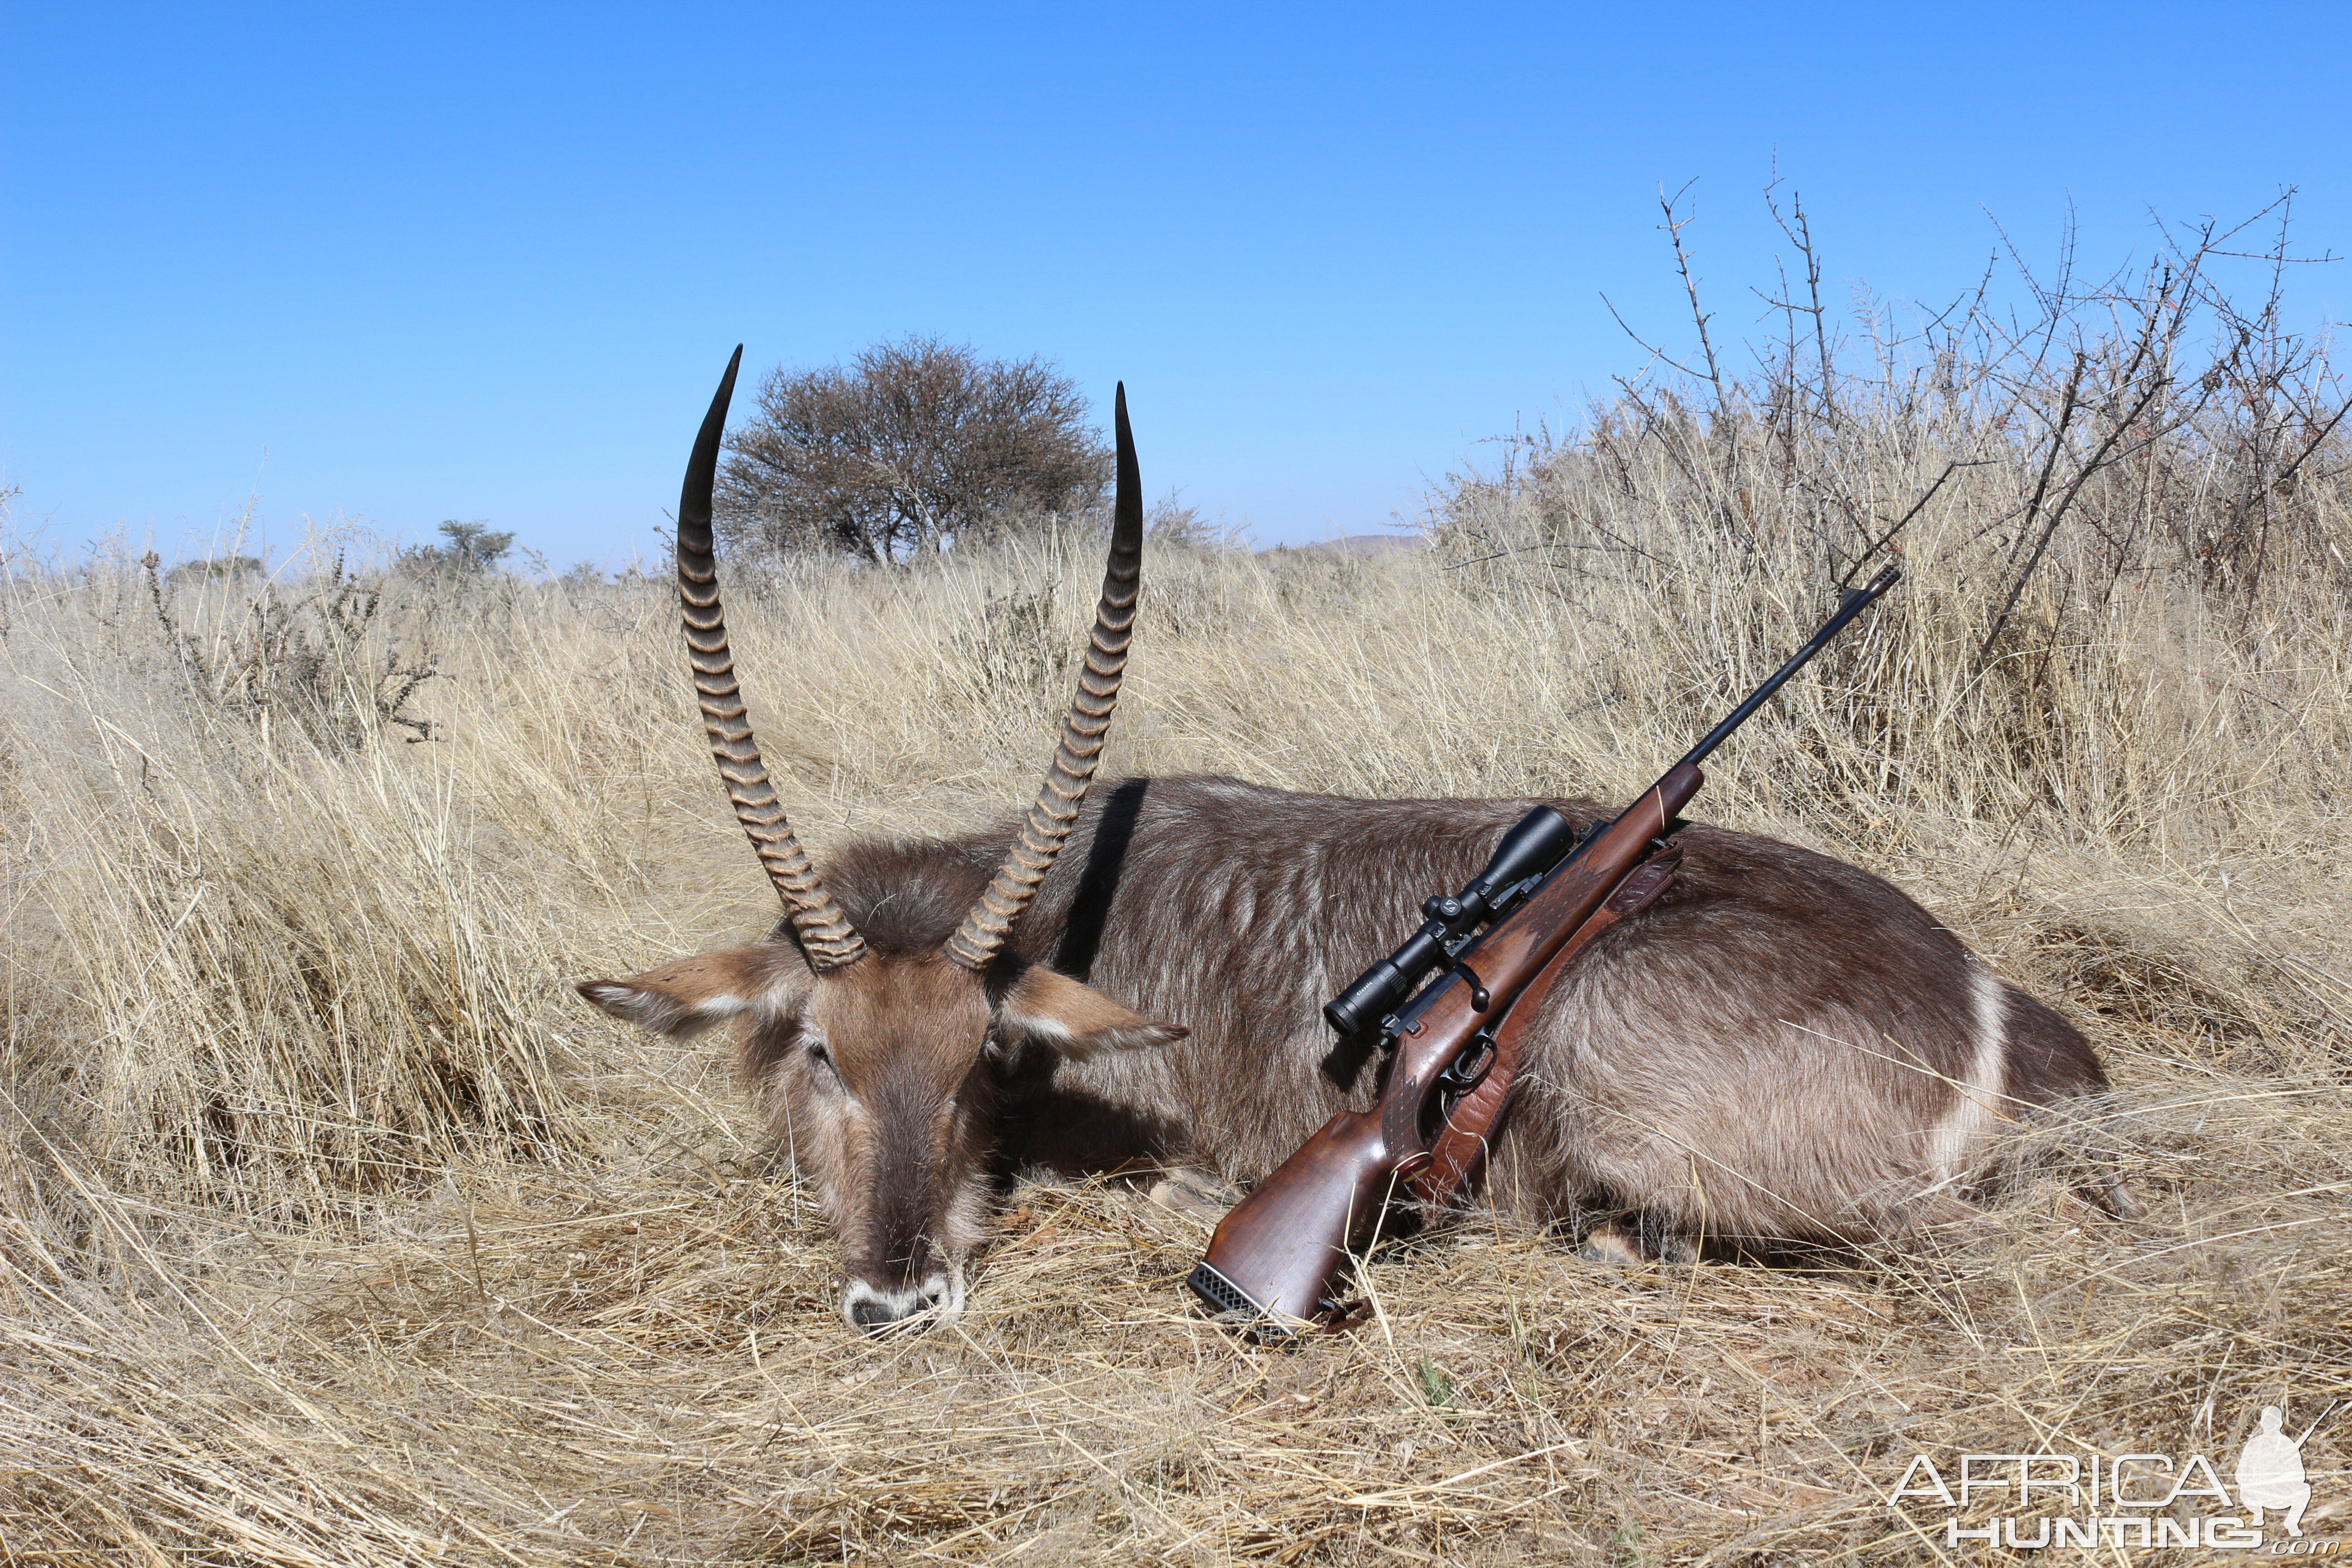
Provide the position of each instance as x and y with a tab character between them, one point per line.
1853	601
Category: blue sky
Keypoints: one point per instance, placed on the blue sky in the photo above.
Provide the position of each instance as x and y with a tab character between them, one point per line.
414	263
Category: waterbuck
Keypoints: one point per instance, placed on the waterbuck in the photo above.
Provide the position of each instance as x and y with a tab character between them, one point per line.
1784	1051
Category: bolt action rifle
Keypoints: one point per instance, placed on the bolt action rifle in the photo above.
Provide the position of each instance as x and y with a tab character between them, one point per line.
1542	899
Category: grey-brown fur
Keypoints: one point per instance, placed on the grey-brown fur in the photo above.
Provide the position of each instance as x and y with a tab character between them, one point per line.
1778	1052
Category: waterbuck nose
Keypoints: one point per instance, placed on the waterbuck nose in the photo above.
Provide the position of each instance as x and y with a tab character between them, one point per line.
876	1310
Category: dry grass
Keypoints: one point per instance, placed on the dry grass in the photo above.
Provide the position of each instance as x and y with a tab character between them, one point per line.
334	1230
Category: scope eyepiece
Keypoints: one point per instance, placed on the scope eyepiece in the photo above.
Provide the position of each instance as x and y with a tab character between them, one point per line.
1372	997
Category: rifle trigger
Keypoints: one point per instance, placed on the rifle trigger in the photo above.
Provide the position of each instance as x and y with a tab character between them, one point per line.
1463	1073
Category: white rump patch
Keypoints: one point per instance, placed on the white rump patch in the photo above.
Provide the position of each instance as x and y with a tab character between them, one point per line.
1977	1094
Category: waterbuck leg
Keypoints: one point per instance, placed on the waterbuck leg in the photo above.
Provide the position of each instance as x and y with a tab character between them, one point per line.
1637	1241
1194	1193
1613	1244
2107	1191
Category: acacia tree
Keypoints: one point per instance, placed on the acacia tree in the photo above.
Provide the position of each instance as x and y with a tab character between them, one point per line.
915	447
474	549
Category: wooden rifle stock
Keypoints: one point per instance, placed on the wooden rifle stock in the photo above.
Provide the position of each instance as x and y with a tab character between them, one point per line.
1473	1117
1275	1255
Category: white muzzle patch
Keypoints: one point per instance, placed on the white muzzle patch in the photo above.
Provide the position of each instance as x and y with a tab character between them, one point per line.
937	1300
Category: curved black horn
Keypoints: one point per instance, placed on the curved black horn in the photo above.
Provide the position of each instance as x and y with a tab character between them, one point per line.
826	936
985	929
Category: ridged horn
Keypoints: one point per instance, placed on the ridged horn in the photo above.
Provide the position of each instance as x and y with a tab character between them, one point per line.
985	929
826	936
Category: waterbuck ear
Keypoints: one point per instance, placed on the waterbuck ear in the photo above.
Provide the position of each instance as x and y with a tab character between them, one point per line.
1075	1018
689	996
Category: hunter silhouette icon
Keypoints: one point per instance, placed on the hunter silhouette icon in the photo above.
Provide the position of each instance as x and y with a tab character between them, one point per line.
2270	1471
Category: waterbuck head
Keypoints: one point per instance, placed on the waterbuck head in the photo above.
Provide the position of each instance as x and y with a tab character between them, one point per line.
876	1058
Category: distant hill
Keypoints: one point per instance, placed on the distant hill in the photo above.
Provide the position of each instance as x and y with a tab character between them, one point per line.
1366	544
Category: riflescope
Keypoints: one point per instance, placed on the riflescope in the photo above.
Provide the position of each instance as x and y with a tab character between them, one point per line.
1535	843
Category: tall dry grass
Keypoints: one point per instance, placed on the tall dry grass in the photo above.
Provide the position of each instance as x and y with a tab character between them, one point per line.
334	1229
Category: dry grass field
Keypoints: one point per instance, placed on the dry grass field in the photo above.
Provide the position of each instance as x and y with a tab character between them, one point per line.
335	1230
